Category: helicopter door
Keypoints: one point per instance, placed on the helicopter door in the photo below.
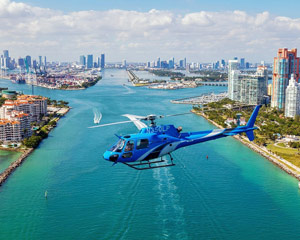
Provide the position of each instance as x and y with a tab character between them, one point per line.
128	149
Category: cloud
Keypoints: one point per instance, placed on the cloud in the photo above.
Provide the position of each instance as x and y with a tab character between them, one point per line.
141	36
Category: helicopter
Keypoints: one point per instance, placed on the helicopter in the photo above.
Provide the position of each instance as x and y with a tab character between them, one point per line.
145	149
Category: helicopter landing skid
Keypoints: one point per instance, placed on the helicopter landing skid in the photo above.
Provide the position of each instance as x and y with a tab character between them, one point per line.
147	164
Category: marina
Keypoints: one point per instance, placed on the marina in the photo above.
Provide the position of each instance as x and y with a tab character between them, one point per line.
200	100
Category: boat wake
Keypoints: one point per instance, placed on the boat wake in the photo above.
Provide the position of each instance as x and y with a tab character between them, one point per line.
170	211
97	116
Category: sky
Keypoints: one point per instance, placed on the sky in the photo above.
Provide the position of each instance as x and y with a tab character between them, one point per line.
140	31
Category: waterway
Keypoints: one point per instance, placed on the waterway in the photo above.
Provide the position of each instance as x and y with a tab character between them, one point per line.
234	194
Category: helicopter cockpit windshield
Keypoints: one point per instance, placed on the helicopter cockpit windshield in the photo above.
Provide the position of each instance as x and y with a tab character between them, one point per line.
119	146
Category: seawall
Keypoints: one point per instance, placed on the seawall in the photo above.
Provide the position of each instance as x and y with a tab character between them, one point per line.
13	166
282	163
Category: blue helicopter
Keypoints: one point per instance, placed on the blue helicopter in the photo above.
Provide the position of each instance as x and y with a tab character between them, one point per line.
145	150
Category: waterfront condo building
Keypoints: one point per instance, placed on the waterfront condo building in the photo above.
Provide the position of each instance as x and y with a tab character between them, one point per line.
16	116
10	131
247	88
292	99
233	84
285	64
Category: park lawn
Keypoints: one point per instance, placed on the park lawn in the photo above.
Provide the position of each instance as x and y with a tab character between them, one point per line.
290	154
281	145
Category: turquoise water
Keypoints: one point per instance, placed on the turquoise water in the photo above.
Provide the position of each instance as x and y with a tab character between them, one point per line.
6	158
235	194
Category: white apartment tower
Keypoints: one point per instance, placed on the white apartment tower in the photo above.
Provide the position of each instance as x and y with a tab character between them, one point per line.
233	79
292	100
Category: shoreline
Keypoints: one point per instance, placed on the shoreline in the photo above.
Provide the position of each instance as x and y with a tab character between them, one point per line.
286	166
25	153
14	165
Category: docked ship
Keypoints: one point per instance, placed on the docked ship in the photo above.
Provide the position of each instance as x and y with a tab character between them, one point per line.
18	79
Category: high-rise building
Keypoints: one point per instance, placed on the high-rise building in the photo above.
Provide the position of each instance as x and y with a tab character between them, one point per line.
34	64
242	63
181	63
253	87
89	63
270	89
292	100
5	54
158	65
40	61
45	61
285	64
28	61
233	77
124	63
102	60
82	60
21	62
171	63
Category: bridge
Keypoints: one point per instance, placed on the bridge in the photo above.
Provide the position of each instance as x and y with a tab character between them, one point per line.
224	84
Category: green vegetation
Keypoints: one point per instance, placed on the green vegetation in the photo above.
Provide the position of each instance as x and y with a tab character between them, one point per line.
32	142
59	103
209	76
290	154
2	100
167	73
271	122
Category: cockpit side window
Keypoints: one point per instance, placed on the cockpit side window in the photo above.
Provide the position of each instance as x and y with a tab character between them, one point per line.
142	143
119	146
129	146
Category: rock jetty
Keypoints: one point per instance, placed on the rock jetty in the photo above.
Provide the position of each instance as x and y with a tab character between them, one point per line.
12	167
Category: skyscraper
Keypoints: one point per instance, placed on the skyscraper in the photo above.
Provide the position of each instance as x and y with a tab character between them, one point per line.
89	63
5	54
171	63
45	61
40	61
292	100
253	87
242	63
21	62
82	60
34	63
158	65
285	64
28	60
102	60
233	77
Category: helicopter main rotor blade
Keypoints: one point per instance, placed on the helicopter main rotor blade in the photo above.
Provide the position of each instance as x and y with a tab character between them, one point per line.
115	123
174	115
109	124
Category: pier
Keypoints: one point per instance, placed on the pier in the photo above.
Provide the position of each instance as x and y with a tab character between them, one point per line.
136	81
202	99
12	167
132	76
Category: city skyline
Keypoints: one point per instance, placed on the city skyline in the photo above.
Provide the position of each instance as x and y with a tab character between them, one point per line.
41	28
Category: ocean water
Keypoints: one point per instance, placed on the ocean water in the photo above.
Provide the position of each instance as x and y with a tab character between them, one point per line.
234	194
6	158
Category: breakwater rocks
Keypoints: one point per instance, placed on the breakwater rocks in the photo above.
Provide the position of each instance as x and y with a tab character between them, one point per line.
14	165
280	162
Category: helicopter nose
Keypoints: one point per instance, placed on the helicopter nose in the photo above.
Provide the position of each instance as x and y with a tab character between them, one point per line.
111	156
